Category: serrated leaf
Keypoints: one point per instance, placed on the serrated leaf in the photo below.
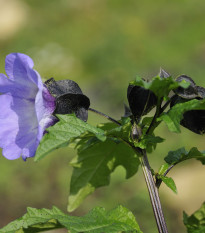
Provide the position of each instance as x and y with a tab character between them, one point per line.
149	141
160	86
169	182
181	154
93	166
173	117
96	221
116	131
196	222
60	134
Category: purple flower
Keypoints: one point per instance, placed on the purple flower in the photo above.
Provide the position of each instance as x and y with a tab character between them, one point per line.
26	108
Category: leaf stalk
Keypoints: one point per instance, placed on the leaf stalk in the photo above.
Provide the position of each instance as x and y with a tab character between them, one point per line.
104	115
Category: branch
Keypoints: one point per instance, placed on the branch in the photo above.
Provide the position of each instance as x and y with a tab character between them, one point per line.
167	103
159	181
104	115
157	113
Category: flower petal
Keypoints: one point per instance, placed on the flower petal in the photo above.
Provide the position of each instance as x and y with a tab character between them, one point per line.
45	106
19	127
26	108
23	80
16	65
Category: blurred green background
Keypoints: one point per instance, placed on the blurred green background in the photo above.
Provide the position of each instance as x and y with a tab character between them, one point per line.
103	45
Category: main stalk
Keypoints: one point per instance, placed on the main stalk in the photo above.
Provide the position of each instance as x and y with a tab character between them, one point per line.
153	193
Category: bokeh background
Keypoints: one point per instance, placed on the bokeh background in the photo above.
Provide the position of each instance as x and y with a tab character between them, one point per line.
103	45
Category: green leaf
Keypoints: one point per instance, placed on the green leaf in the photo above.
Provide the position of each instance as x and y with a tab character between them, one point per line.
115	131
94	164
149	141
96	221
173	117
181	154
60	134
169	182
160	86
163	169
196	222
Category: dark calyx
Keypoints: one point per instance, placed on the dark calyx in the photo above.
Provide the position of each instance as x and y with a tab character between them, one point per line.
69	98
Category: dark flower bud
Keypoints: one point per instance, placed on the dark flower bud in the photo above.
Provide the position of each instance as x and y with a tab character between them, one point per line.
136	132
141	100
69	98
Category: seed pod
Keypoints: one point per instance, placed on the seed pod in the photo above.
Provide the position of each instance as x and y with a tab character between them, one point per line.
141	100
193	120
69	98
187	93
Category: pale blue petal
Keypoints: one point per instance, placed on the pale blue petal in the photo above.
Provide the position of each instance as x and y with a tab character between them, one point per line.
19	127
26	108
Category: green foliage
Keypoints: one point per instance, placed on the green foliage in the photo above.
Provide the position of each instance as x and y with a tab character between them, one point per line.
149	142
95	162
173	117
163	169
196	222
169	182
175	157
117	50
160	86
121	132
60	134
96	221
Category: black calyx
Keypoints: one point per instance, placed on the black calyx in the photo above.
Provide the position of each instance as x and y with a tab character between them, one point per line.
163	74
69	98
127	112
141	100
187	93
193	120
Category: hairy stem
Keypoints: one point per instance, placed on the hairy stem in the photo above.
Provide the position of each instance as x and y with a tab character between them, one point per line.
153	193
104	115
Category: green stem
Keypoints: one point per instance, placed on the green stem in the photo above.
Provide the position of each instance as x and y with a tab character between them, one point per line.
159	181
167	103
153	193
154	124
152	188
104	115
159	110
